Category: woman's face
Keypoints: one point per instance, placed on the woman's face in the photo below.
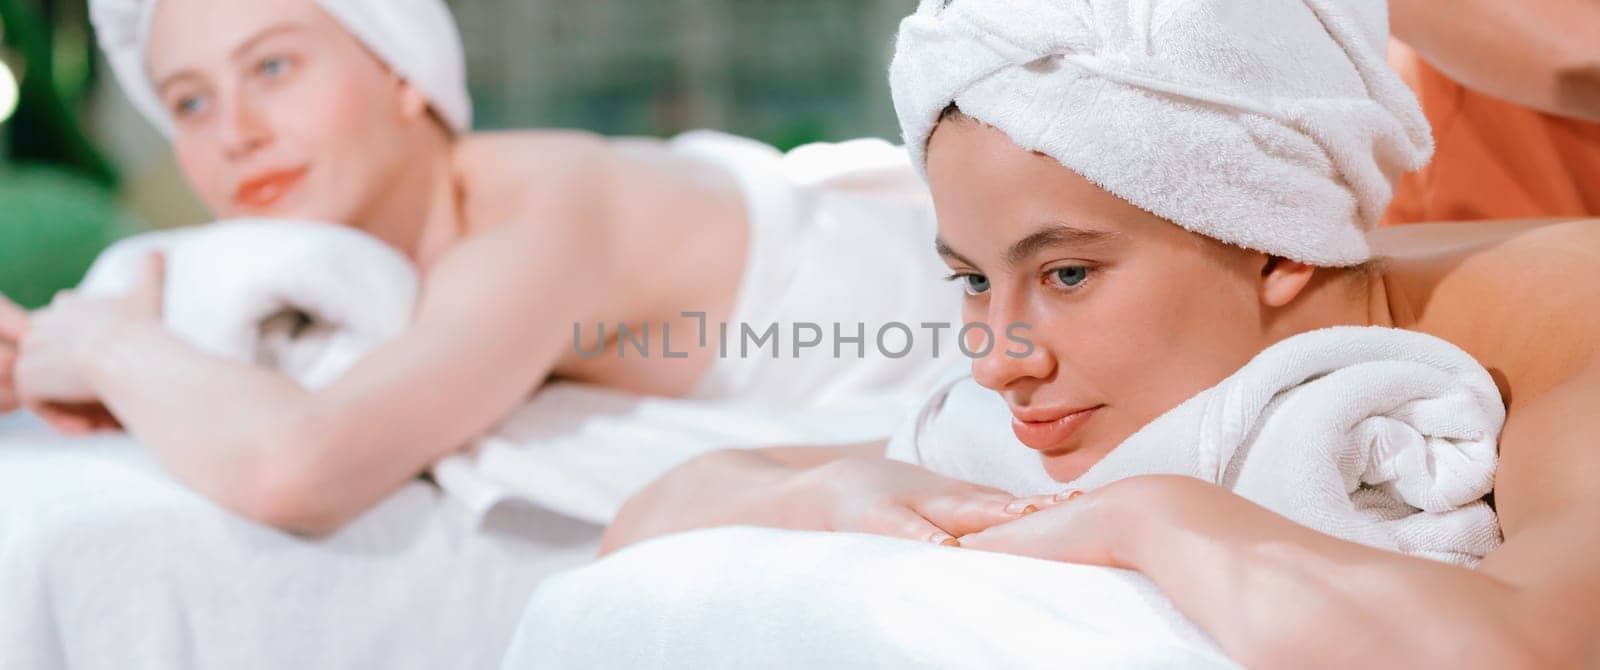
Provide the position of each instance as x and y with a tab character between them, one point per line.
1130	315
279	110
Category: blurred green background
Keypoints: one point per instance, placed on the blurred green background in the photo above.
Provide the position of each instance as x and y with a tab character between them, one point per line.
79	168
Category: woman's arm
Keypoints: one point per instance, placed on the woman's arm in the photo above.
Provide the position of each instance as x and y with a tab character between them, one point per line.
1543	54
1277	594
486	332
847	489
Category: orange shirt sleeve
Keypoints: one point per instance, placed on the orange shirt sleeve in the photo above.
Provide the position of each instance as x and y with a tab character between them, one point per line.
1494	159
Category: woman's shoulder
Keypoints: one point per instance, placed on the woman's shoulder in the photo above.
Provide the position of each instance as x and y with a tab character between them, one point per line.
531	178
517	157
1525	301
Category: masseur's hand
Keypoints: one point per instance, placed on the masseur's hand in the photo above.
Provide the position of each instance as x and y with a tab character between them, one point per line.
13	325
884	497
56	354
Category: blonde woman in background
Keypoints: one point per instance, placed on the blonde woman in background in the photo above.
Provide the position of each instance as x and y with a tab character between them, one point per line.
356	112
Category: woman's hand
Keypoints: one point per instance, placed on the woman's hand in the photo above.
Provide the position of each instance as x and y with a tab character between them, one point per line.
13	326
1094	528
883	497
814	488
54	356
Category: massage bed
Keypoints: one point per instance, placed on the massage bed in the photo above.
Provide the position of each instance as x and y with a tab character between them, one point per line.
107	562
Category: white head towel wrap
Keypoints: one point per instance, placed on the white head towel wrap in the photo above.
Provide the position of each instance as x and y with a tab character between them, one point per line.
416	38
1274	125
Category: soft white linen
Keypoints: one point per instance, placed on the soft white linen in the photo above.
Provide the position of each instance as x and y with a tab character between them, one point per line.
760	598
1379	436
583	451
841	243
1271	125
1375	435
106	562
417	39
304	298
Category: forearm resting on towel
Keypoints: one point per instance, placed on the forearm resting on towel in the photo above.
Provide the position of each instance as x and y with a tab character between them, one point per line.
1543	54
722	488
308	462
1275	594
843	489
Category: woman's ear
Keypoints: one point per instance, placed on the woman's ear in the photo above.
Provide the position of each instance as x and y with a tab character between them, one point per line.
413	104
1282	280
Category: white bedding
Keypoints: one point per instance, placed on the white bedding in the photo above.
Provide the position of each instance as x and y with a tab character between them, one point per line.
106	562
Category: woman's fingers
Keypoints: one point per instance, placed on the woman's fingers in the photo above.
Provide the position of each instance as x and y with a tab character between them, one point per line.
903	522
62	419
967	512
1049	500
8	378
13	321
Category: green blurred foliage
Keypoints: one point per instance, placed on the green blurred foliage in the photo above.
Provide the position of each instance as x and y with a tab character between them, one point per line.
53	222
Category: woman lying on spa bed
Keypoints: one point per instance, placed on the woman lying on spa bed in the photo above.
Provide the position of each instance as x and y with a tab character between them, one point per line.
1132	314
356	111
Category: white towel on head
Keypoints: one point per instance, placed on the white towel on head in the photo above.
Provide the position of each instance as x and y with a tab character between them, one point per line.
1379	436
418	39
306	299
1271	125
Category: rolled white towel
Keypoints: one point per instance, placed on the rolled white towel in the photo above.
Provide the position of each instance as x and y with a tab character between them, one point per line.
307	299
1375	435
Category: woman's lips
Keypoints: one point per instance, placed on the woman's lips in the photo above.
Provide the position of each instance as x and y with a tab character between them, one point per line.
262	191
1051	434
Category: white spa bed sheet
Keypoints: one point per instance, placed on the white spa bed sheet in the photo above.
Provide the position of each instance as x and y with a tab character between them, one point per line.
106	562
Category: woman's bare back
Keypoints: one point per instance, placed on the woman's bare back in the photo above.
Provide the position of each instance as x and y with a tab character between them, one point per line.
668	234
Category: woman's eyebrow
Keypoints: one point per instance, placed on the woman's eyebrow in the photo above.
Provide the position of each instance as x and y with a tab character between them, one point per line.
946	252
169	80
263	36
1057	235
161	88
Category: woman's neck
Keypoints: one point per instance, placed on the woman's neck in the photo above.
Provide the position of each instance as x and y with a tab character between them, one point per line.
419	212
1347	298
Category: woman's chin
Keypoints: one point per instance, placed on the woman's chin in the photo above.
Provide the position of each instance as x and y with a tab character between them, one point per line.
1067	465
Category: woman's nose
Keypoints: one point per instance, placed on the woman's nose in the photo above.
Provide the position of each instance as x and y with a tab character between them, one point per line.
1017	355
244	130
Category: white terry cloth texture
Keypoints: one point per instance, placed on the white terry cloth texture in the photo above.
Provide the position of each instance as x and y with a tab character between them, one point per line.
307	299
760	598
841	236
1380	436
1373	435
108	563
417	39
1272	125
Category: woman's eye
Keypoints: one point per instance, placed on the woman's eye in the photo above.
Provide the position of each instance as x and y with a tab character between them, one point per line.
273	67
189	105
975	284
1072	276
